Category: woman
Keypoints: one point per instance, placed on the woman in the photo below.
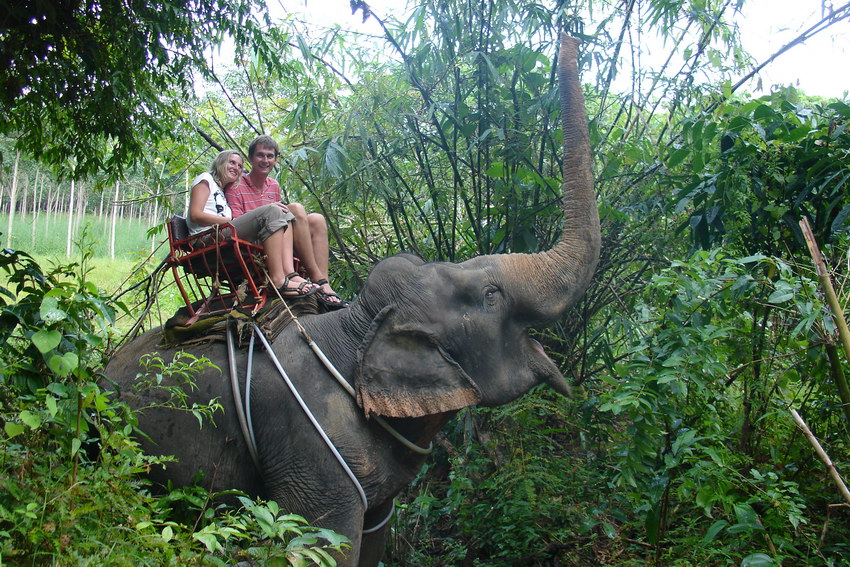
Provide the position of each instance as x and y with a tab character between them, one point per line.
265	225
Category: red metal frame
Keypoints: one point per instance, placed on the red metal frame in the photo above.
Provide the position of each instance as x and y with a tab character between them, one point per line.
215	270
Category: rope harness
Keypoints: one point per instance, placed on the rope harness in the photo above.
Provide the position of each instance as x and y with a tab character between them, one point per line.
243	410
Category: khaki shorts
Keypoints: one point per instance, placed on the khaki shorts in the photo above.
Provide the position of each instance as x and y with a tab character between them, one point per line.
259	224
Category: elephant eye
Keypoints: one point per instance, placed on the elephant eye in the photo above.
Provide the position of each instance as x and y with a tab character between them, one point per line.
490	294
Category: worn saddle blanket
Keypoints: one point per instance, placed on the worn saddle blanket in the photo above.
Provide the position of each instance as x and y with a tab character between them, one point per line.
271	319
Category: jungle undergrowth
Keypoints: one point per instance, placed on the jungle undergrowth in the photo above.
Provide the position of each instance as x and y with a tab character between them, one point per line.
72	484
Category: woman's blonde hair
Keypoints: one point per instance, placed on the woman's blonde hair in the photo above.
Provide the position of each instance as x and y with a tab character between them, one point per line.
219	165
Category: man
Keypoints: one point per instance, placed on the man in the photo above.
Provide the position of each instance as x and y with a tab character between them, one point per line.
309	231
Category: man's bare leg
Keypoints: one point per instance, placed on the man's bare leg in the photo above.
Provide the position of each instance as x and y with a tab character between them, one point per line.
301	241
310	240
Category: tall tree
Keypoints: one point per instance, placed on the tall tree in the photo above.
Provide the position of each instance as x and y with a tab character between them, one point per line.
12	201
70	215
94	82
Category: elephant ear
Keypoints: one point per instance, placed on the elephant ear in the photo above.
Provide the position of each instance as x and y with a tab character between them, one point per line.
402	371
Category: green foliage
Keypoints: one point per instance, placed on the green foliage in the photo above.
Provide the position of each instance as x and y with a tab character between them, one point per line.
677	449
129	65
71	472
678	399
755	168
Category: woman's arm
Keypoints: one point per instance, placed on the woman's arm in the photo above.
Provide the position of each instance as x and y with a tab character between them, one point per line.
197	202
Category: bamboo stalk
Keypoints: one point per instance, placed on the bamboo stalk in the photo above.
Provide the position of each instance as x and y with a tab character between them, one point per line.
833	472
837	313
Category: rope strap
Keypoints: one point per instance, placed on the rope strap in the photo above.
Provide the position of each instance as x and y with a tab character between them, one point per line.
244	424
311	417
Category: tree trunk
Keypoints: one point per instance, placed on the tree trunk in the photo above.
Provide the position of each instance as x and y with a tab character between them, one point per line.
48	208
153	219
114	219
36	207
12	202
80	210
70	216
26	188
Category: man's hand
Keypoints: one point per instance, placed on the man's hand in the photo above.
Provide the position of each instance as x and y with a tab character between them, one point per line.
283	207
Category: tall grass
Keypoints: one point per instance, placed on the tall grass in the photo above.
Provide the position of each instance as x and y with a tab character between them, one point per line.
50	238
133	259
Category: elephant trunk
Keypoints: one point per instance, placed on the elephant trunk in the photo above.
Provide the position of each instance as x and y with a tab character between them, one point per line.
550	282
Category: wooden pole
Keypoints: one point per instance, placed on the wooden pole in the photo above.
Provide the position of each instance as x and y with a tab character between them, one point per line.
842	488
837	313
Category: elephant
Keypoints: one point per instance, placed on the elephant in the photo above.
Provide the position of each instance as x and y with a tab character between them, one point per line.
421	341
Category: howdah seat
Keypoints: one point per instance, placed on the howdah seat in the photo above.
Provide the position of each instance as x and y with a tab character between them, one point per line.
215	270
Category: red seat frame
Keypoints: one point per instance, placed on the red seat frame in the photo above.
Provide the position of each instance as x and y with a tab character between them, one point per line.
215	270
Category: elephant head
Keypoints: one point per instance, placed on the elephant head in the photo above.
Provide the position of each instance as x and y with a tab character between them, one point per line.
444	336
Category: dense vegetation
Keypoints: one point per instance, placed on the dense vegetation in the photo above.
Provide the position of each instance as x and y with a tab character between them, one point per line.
704	327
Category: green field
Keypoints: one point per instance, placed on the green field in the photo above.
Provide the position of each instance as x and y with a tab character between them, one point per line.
49	237
133	259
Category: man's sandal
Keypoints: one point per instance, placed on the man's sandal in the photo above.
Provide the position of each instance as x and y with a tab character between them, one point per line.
325	298
304	289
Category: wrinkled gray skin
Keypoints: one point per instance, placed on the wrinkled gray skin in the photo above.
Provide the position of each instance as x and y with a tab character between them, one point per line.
420	342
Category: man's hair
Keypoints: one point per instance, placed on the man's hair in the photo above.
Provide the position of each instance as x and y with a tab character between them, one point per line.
262	141
218	168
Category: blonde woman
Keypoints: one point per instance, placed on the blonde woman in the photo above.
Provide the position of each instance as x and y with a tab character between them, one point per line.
265	225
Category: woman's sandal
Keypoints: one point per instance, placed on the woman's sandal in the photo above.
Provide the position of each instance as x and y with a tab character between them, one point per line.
324	297
300	291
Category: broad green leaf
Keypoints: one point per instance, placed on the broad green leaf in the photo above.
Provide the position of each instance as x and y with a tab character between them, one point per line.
747	516
50	311
652	523
753	258
32	420
209	540
13	429
705	497
780	296
46	339
497	169
50	402
715	456
63	365
763	111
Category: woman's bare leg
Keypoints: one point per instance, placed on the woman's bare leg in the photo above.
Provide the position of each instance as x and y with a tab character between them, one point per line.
274	248
292	283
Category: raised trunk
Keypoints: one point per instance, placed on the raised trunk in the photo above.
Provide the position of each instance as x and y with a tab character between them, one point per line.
548	283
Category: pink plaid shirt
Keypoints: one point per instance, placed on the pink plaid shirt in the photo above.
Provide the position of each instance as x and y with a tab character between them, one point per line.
243	197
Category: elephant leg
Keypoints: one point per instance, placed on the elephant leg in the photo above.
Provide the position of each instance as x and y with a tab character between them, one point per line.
372	544
338	510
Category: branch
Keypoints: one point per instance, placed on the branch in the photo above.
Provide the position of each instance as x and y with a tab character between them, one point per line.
233	104
209	139
842	488
833	18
